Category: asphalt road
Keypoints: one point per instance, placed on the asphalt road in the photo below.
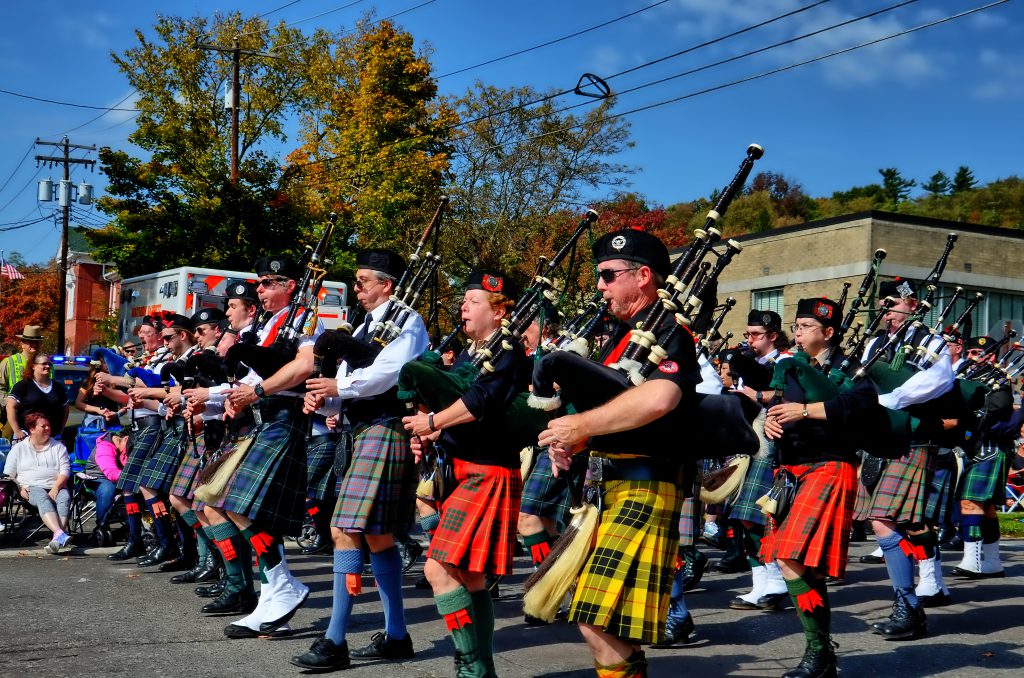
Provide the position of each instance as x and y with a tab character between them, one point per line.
78	614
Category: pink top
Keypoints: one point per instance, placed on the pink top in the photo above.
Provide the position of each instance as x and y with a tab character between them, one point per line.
108	459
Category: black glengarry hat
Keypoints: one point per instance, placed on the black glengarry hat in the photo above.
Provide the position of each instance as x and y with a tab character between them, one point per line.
208	316
770	320
632	245
490	280
385	261
900	288
821	309
180	322
279	264
980	343
244	290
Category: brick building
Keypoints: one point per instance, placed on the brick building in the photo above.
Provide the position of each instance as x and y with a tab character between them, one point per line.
778	267
93	288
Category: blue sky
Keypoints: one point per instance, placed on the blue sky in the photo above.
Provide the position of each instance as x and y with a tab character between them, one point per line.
935	99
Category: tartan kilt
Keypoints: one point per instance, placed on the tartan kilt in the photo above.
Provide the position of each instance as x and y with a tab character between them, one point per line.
625	584
186	479
985	481
689	522
162	465
320	479
378	493
755	485
544	495
479	519
269	486
816	531
901	493
143	442
940	496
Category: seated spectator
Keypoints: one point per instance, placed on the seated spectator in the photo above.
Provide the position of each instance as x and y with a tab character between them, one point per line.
100	411
41	467
104	465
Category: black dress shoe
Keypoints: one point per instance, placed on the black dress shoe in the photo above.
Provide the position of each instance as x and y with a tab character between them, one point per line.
816	663
211	590
733	563
177	564
410	552
383	646
738	603
324	656
954	543
318	544
940	599
237	632
160	555
209	571
240	602
772	601
871	559
129	550
187	577
906	623
530	620
694	565
676	631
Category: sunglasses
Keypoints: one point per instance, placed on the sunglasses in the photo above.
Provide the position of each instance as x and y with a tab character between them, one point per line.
268	283
609	275
45	364
167	337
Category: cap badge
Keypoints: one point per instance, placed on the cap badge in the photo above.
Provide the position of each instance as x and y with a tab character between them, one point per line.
618	242
905	289
766	320
239	289
275	265
823	311
492	283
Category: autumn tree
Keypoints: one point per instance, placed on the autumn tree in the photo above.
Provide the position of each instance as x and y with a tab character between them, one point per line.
179	206
29	301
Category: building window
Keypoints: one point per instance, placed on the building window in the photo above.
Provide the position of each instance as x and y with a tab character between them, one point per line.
996	313
768	300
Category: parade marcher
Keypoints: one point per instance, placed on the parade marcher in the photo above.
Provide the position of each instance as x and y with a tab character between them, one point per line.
12	369
376	497
622	595
813	444
897	505
263	500
477	530
766	343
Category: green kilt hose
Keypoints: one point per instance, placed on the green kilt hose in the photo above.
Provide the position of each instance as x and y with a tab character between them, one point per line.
320	479
756	484
901	494
162	465
985	480
479	519
269	486
143	442
544	495
624	586
816	531
378	493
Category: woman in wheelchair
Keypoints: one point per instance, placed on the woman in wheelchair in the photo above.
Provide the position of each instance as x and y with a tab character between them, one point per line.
41	467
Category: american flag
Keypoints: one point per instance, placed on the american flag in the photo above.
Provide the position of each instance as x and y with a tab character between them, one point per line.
8	271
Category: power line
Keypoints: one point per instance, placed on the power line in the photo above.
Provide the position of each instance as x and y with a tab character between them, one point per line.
22	189
17	167
285	6
8	227
62	103
92	120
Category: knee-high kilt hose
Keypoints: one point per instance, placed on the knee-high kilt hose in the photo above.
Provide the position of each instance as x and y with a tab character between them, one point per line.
625	584
816	531
162	465
143	442
377	494
269	486
479	519
544	495
756	484
901	493
320	479
985	480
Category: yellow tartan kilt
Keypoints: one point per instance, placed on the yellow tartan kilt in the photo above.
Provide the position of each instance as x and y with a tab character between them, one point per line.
625	585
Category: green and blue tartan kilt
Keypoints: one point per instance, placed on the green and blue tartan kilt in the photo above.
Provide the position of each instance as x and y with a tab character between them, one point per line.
320	479
625	584
816	531
378	493
187	478
755	485
269	486
162	465
143	442
479	519
985	481
544	495
901	494
940	499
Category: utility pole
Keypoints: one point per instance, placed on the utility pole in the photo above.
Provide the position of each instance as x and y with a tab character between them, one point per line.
236	53
65	202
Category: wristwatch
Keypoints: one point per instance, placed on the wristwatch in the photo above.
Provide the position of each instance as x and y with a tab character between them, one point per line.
260	393
430	422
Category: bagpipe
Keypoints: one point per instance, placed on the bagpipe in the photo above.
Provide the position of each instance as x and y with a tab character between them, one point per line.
860	302
577	334
300	319
333	346
708	338
716	424
425	381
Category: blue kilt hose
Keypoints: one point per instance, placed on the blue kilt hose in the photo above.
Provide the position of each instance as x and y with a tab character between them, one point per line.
162	465
544	495
378	493
143	442
320	480
985	476
269	486
625	584
902	492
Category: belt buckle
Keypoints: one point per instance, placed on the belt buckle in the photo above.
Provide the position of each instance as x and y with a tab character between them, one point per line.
595	469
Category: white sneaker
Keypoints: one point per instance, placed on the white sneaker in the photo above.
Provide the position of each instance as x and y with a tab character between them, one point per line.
53	547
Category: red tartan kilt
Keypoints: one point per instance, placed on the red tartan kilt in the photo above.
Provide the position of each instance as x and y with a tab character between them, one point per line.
479	520
816	532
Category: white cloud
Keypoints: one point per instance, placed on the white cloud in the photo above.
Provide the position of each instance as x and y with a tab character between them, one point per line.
1003	77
